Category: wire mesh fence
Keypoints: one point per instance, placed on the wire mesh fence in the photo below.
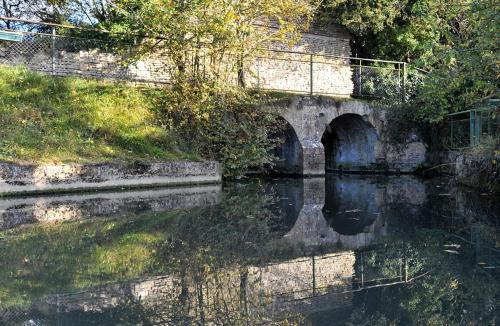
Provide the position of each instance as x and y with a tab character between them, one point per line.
271	69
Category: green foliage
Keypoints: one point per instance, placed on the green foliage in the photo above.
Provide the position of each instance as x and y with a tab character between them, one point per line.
456	291
46	119
466	71
68	257
456	41
207	43
221	123
206	39
480	166
401	30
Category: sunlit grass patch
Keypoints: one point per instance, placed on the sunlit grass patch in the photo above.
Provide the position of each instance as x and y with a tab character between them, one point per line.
50	120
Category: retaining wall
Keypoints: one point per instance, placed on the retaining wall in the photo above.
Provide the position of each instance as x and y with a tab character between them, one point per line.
17	179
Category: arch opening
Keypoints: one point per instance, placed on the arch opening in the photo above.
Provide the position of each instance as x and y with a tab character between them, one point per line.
349	143
288	150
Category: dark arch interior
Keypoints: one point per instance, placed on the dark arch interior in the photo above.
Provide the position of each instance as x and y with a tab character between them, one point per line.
288	151
349	143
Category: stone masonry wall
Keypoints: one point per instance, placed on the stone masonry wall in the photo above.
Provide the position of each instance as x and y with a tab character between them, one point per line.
328	69
271	71
311	117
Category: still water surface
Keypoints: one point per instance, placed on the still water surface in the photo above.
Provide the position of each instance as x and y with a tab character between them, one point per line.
345	250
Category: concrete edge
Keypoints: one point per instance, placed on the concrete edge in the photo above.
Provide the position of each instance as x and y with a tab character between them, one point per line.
25	180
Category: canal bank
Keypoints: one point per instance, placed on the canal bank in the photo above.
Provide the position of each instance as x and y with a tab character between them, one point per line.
16	179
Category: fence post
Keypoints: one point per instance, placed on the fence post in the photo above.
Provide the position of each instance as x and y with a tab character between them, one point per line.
403	93
311	92
53	50
406	270
314	274
359	79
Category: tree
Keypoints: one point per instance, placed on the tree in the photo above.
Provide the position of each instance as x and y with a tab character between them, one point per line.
208	43
456	41
220	32
466	71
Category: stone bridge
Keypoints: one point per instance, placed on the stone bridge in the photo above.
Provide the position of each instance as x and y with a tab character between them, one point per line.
324	134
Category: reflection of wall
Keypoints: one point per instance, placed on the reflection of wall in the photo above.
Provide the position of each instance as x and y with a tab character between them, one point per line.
18	211
295	285
302	285
18	179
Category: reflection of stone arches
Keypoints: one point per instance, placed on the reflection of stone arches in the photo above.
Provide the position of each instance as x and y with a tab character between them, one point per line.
349	142
354	211
334	217
350	207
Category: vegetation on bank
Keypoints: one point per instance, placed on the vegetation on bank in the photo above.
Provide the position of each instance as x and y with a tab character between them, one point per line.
202	113
456	42
46	119
479	166
53	120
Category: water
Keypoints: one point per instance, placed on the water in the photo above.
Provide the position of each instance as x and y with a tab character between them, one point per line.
350	250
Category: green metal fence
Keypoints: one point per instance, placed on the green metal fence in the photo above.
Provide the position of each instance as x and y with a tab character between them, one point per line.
470	127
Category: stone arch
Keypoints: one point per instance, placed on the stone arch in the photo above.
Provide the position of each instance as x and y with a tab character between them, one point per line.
288	151
349	143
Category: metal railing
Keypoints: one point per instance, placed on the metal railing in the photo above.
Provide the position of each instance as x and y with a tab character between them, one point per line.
271	70
325	74
468	128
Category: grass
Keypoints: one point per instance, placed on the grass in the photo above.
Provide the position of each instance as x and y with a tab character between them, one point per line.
45	119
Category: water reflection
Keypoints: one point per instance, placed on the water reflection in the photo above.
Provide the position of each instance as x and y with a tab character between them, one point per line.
346	250
15	212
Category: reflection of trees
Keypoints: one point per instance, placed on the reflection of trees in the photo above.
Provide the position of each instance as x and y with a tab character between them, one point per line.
455	292
190	245
210	253
214	261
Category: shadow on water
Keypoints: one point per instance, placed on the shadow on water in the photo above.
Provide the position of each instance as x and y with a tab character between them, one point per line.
355	250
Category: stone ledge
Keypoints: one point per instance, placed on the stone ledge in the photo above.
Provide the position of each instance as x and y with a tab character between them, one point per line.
21	179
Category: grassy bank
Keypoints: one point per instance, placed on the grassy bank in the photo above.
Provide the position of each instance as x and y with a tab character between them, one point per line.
51	120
